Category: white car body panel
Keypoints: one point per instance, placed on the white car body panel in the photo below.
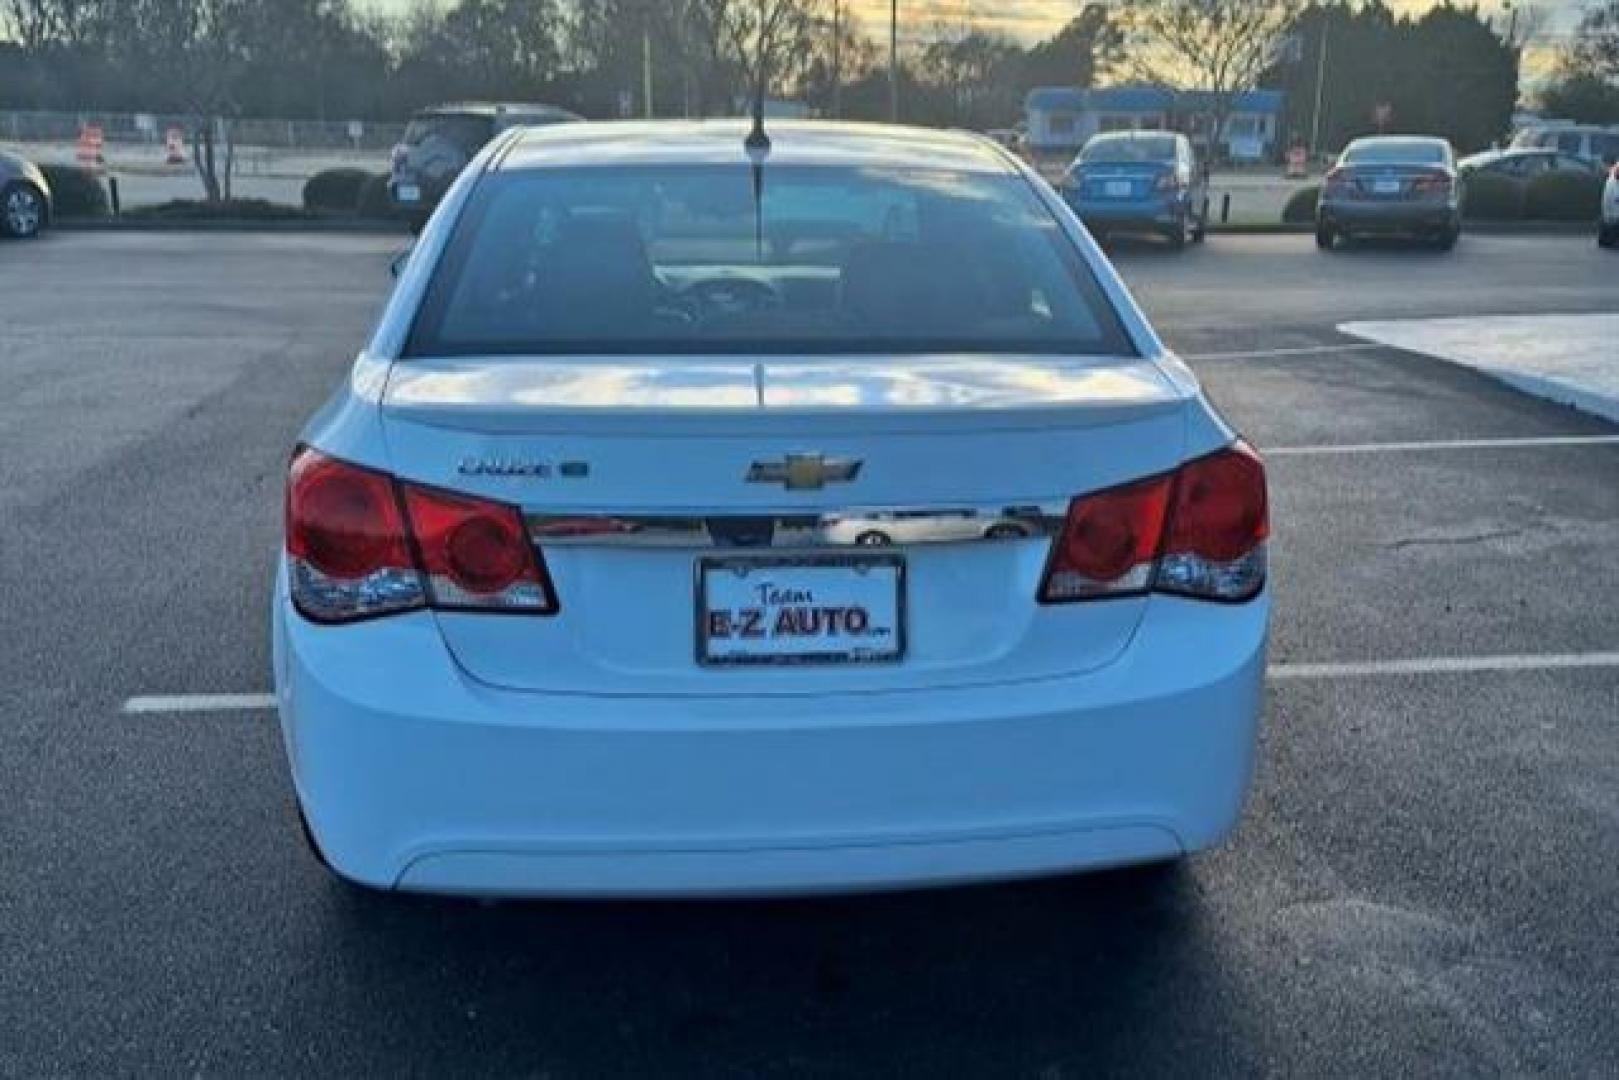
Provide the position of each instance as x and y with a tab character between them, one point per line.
591	754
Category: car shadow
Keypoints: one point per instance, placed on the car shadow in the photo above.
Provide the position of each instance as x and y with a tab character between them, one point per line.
1371	245
1108	973
1132	245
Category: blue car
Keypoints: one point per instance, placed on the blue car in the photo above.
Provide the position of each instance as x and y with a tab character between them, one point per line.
1140	181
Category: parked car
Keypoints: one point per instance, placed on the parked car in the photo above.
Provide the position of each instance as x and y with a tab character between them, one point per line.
882	527
1599	144
25	197
440	141
1608	227
1140	181
687	688
1392	185
1521	164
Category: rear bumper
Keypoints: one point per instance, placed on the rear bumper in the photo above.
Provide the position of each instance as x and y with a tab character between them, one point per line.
1141	214
415	777
1391	217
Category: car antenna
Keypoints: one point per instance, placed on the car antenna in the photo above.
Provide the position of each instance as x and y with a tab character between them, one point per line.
757	144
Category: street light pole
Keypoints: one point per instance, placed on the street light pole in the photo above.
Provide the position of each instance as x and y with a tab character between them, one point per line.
837	59
646	70
1320	79
893	61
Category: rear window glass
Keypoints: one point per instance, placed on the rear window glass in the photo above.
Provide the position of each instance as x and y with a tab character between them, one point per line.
1153	148
714	259
467	132
1396	152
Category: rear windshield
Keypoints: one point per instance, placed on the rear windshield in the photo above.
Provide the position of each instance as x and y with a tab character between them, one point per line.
467	132
713	259
1152	148
1396	152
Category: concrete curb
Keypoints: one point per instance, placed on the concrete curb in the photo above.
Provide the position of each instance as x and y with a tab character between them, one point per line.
1475	228
272	225
1566	359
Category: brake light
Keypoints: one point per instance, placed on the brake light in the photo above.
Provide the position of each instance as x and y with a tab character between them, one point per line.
1108	543
360	544
1433	183
476	554
1218	525
1169	181
1198	532
1337	180
348	557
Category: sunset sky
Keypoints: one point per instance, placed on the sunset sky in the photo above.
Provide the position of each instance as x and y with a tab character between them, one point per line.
1034	19
1030	20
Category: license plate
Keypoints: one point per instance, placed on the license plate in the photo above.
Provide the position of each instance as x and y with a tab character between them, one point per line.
408	193
1386	187
1118	189
811	610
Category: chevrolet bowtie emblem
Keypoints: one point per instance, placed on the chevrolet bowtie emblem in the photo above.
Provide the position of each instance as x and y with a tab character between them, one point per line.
804	472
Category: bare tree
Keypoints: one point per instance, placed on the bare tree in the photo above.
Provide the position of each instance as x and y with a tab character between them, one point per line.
37	23
202	45
1218	46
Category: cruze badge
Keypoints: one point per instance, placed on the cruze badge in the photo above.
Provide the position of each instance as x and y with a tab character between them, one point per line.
804	472
503	466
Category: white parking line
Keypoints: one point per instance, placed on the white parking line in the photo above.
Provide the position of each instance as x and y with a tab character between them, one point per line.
1283	671
1527	442
1298	350
1447	665
184	703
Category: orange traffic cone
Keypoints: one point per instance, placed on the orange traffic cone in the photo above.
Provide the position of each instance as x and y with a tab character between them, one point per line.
91	142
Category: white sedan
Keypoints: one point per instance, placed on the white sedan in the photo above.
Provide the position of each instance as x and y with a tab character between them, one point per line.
560	613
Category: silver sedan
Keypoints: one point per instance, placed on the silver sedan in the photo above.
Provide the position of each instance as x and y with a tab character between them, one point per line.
25	197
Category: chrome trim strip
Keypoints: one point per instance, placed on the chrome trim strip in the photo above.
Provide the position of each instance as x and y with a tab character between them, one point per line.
852	527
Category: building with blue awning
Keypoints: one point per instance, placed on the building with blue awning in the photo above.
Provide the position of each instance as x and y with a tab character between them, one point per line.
1060	118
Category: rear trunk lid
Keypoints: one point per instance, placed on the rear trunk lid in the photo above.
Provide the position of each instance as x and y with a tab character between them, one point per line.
632	472
1393	182
1104	181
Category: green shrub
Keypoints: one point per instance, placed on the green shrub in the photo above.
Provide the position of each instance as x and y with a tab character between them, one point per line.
335	191
233	210
1564	196
1300	208
76	192
375	201
1492	196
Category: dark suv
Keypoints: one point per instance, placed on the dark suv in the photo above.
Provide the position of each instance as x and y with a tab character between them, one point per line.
440	141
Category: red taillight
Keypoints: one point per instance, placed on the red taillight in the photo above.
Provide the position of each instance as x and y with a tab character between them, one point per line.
1337	179
1433	184
1198	532
1220	509
1108	543
361	544
342	519
1169	181
476	553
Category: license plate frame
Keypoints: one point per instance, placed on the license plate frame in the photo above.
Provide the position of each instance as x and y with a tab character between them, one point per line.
893	564
1118	189
408	193
1387	186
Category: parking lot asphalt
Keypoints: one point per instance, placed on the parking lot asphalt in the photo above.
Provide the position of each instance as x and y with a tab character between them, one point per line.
1427	880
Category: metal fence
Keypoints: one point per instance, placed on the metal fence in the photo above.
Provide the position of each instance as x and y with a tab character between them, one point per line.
149	128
